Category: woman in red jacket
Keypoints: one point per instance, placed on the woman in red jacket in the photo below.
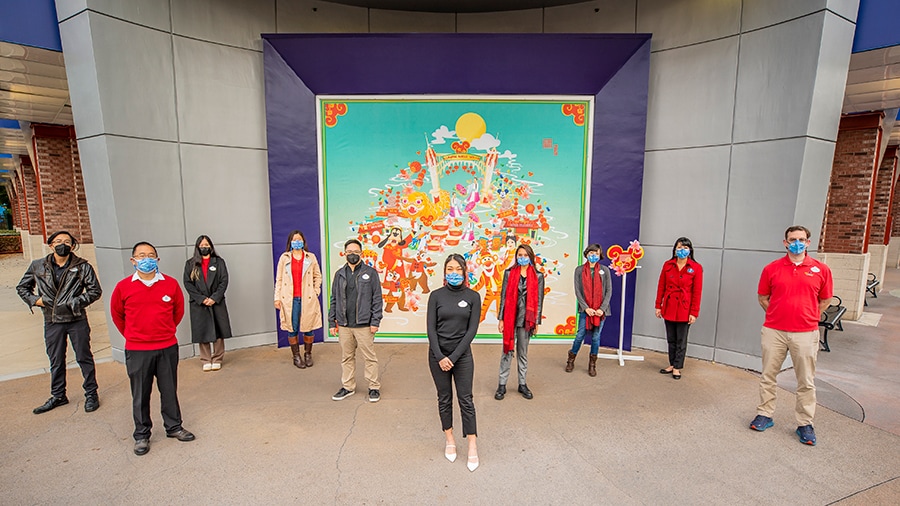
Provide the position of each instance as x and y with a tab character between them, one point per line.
678	301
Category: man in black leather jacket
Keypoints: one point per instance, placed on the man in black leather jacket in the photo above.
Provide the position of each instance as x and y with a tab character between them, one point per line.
66	284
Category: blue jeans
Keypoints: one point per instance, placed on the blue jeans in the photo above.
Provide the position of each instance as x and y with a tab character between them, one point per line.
295	318
579	336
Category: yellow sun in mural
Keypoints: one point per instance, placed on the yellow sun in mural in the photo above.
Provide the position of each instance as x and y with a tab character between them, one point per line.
470	126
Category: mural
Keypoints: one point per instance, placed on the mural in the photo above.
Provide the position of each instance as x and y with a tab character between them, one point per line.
417	179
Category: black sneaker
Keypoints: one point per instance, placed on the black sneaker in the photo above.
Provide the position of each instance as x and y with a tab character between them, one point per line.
53	402
374	395
141	446
91	403
342	394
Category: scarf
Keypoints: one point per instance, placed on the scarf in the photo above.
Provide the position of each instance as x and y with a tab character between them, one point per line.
593	293
512	305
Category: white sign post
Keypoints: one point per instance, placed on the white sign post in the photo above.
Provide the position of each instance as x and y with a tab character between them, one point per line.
622	358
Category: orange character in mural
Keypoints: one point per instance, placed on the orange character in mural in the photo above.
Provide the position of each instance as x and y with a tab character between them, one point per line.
417	277
491	279
419	206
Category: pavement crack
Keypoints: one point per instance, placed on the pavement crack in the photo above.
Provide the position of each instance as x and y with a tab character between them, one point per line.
337	462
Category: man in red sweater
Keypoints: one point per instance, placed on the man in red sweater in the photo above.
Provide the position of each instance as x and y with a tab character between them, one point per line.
146	308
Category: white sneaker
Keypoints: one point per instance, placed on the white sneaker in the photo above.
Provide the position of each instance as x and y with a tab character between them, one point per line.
216	366
207	367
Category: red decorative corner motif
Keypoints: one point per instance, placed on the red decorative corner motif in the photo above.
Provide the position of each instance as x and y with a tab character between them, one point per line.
576	111
568	329
332	111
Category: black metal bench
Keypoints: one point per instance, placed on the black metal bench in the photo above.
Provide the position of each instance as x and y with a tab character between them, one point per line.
871	283
831	319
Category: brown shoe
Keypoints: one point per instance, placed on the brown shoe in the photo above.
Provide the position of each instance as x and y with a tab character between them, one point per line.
307	348
570	363
298	360
592	365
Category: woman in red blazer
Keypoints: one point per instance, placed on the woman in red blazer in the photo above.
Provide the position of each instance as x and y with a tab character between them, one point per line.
678	301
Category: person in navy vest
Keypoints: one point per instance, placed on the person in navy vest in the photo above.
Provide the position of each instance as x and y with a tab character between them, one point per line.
205	280
678	301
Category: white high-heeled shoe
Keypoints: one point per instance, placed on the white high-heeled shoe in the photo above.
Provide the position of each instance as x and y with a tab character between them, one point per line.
472	464
450	456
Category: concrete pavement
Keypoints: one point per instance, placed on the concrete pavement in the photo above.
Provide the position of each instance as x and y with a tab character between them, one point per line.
268	432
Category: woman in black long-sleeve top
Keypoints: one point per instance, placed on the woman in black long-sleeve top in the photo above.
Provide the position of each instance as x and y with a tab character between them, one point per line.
454	312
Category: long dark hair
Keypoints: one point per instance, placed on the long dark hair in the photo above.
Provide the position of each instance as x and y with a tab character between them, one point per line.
529	251
686	243
462	262
288	248
197	259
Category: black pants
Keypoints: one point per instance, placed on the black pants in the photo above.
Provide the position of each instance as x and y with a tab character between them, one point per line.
142	366
461	373
676	335
79	332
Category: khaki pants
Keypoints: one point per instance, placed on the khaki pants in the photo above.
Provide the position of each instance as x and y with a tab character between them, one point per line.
364	339
803	347
218	352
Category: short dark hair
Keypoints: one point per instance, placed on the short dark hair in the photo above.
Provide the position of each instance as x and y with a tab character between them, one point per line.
686	243
291	236
352	241
796	228
59	232
594	247
143	243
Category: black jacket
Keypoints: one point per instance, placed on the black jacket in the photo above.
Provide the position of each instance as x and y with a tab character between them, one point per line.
368	303
205	319
78	288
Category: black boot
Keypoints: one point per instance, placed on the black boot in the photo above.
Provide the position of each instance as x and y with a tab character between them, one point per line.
501	392
526	393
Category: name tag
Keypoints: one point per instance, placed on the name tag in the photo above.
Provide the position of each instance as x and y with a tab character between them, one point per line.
212	267
365	276
166	298
815	269
75	269
463	303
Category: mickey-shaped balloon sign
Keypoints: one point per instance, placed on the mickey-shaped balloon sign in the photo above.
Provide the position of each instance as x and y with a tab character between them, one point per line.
622	261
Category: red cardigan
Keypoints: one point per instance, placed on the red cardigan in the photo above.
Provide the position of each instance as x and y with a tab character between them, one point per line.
147	315
678	294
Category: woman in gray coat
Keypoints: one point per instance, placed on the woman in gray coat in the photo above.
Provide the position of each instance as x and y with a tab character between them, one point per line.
593	289
206	279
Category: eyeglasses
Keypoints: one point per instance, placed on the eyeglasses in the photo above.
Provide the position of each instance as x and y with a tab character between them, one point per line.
145	255
61	241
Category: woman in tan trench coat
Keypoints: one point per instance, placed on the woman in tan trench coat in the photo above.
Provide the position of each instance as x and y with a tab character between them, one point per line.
298	282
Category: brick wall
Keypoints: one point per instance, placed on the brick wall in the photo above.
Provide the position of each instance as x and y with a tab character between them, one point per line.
895	204
846	222
881	208
32	200
61	181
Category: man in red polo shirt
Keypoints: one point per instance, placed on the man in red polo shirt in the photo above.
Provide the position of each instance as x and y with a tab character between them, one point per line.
793	290
146	308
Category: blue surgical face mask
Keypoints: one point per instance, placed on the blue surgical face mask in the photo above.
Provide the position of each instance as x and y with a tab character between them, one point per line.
296	244
593	258
147	265
682	253
454	278
523	261
797	247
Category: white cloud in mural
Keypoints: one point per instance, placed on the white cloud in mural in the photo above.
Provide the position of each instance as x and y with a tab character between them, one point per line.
485	142
507	154
441	134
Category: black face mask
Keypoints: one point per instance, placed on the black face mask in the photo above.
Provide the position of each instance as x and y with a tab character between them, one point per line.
62	250
353	258
205	251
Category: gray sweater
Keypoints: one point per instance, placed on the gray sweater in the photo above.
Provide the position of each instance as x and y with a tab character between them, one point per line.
607	288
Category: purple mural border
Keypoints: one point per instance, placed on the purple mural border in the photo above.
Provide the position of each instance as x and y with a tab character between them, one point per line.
613	68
